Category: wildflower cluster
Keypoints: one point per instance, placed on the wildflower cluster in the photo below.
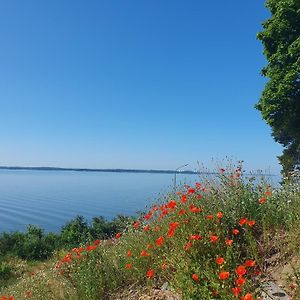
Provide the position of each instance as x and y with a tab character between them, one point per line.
190	228
76	253
204	240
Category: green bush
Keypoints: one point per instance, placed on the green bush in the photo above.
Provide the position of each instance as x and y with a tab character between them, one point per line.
35	244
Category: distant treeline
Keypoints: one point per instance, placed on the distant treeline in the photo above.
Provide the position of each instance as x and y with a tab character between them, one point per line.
100	170
258	173
35	244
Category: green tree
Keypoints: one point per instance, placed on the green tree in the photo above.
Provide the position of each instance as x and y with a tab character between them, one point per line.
34	244
280	100
75	232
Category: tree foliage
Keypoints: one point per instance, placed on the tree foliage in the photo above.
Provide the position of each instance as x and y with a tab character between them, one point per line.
280	100
35	244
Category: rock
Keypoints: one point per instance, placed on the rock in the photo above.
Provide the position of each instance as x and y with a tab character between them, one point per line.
271	291
164	287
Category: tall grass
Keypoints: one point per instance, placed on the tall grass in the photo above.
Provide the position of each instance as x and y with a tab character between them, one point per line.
208	241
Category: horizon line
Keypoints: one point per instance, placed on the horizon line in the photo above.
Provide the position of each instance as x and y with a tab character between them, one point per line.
124	170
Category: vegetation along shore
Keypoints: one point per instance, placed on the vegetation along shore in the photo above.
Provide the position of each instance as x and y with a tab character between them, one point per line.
220	239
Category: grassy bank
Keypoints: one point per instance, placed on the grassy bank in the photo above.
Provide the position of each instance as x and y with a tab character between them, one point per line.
22	252
219	239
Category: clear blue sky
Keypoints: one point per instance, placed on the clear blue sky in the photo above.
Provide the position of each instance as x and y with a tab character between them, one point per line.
132	84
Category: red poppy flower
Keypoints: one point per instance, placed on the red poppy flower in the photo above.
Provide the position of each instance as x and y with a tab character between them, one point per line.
191	191
240	281
148	216
195	237
251	223
181	212
174	225
160	241
171	204
198	185
171	232
257	272
235	231
195	209
220	260
228	242
144	253
146	228
199	197
91	247
236	291
249	263
223	275
268	193
149	246
243	221
241	270
136	224
188	246
154	208
163	207
262	200
214	238
183	198
195	277
150	273
97	242
165	212
76	250
220	215
67	258
293	286
210	217
118	235
129	253
128	266
247	297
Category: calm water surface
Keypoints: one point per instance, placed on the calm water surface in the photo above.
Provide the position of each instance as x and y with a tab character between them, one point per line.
51	198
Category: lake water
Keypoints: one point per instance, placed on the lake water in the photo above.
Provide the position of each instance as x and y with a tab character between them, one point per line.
51	198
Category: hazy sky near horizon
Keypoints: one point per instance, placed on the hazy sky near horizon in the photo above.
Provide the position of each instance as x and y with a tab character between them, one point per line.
132	84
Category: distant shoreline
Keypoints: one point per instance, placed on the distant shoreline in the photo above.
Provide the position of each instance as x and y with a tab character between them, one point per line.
102	170
118	170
